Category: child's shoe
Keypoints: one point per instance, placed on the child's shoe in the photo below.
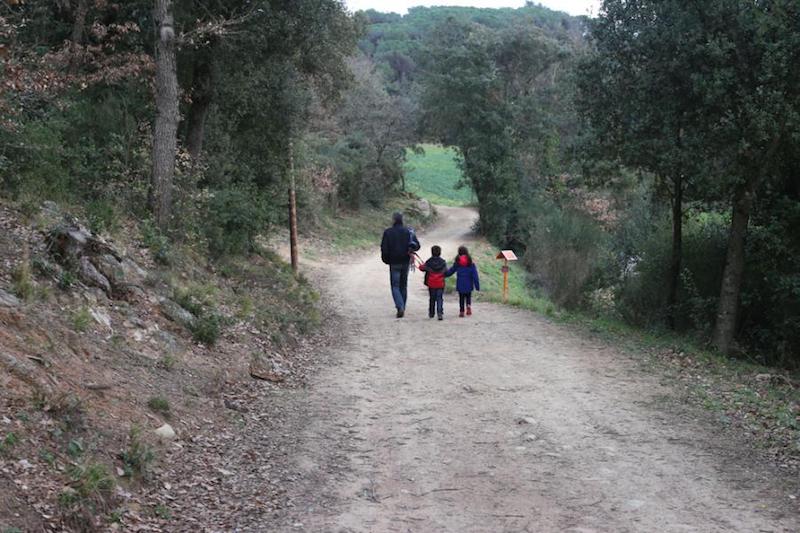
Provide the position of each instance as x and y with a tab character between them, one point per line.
461	314
469	310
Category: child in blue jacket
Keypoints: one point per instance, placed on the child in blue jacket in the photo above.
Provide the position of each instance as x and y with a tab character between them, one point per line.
466	279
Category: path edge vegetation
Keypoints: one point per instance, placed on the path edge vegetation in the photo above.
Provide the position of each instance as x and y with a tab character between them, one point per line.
757	402
743	396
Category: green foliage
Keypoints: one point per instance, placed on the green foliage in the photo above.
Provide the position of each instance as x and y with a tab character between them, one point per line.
66	279
167	362
396	42
158	243
22	281
90	490
207	328
8	443
679	91
201	301
568	254
138	456
75	448
81	319
236	216
642	295
162	512
196	297
160	405
434	174
102	216
489	93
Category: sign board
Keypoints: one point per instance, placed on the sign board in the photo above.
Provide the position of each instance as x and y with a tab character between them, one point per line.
508	255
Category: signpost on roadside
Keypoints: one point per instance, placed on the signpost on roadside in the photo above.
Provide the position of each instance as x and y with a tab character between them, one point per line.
506	256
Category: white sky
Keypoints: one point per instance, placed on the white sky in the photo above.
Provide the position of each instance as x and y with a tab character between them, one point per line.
573	7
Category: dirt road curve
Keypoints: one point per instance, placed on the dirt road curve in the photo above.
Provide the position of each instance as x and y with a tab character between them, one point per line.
506	422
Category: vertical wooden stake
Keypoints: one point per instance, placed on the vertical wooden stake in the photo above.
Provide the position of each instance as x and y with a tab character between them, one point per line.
505	281
292	211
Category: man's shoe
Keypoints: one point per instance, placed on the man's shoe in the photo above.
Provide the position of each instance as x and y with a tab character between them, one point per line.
469	310
461	314
440	317
400	313
430	316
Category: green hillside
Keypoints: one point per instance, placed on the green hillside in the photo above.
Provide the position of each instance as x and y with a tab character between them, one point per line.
395	42
435	176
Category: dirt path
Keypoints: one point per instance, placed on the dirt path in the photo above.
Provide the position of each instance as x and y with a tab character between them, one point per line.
506	422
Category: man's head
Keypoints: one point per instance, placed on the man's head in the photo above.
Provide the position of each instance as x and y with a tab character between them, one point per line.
436	251
397	218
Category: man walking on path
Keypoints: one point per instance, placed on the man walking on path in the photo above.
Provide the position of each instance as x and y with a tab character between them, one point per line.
396	246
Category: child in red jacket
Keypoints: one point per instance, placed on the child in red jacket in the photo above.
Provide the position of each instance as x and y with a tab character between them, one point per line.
435	269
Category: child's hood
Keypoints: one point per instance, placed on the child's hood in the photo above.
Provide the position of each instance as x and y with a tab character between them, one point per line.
436	264
463	260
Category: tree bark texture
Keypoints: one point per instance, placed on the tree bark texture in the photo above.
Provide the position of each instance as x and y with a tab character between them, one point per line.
202	94
676	258
79	26
166	124
293	213
728	307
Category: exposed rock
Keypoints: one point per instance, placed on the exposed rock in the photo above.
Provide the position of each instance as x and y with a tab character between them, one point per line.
51	210
8	300
166	432
111	268
134	274
424	207
269	368
101	317
167	342
92	277
70	240
98	263
177	314
25	371
124	275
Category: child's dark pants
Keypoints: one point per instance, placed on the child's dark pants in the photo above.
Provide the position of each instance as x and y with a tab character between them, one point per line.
436	302
464	299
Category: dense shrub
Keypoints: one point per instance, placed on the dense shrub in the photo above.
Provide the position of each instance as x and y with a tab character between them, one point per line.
235	217
770	316
642	294
568	254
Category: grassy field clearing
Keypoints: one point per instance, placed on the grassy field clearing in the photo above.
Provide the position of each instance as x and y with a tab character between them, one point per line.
434	174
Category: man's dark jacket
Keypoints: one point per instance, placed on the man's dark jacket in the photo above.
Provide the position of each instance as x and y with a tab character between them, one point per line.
397	242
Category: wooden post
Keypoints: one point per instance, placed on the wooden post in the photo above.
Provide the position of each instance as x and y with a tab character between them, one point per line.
292	211
506	256
505	280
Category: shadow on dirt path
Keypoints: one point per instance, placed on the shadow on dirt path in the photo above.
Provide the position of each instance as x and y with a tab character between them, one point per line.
504	421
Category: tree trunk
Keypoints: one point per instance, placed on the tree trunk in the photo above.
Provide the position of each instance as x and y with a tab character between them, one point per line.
293	213
166	124
728	307
677	250
78	27
202	92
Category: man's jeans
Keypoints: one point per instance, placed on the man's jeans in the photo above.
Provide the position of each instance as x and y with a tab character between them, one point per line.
436	302
398	277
